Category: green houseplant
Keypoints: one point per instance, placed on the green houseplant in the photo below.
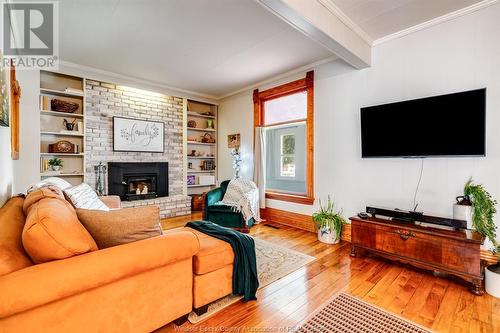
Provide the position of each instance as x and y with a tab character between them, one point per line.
328	222
483	211
55	164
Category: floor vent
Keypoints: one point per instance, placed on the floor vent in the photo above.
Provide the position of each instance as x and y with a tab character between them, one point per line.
271	226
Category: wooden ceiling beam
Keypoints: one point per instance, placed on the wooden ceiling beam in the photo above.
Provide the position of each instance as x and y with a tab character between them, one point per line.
323	22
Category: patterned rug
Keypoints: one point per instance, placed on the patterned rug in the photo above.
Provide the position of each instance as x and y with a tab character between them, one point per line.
346	313
273	263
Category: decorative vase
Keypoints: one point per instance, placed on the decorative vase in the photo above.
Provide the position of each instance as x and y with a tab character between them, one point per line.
328	236
210	123
492	280
56	167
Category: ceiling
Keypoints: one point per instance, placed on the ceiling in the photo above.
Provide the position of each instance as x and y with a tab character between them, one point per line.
379	18
213	47
208	46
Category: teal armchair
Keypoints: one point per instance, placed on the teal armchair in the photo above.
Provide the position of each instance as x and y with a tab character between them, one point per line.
221	214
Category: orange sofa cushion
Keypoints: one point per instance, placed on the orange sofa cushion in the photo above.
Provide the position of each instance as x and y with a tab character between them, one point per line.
214	253
52	230
116	227
212	286
12	254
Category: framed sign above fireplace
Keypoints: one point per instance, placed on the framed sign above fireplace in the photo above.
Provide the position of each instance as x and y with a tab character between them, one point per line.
135	135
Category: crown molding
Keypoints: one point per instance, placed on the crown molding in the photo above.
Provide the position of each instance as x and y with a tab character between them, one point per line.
280	76
435	21
335	10
136	82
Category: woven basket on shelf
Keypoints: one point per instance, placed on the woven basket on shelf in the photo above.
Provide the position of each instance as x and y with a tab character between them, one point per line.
63	106
207	138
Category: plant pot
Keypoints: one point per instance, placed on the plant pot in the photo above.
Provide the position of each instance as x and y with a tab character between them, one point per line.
492	280
463	212
56	167
328	236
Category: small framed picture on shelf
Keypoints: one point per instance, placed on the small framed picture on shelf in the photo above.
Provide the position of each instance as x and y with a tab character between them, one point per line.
191	180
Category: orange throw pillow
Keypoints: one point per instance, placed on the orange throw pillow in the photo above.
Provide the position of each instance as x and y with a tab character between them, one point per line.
52	230
116	227
48	191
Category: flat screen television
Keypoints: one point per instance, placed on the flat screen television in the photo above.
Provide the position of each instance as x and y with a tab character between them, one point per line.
446	125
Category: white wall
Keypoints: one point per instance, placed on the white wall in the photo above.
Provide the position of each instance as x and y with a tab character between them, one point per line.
26	170
236	116
5	165
457	55
16	176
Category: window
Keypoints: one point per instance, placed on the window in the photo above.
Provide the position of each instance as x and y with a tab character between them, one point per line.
287	150
286	112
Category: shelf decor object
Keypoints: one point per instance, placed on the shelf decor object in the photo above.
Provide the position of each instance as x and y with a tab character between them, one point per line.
63	106
207	138
191	180
134	135
63	146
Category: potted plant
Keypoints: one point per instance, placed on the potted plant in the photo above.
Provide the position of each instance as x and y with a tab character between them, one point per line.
483	210
328	222
55	164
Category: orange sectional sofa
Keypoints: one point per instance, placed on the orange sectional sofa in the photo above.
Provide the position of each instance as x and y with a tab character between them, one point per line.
135	287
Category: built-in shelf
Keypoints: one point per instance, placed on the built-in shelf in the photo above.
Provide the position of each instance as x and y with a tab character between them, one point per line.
201	157
199	167
61	114
69	88
196	114
62	154
61	174
59	93
62	134
201	143
201	129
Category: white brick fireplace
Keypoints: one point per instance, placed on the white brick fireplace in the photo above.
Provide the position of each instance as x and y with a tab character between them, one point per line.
105	100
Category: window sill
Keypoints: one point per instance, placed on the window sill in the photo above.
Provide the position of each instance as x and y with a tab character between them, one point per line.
305	200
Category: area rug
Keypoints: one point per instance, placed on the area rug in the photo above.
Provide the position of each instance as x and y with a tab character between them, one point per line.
346	313
273	263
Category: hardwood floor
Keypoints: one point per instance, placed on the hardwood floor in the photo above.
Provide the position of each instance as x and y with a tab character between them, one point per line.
440	304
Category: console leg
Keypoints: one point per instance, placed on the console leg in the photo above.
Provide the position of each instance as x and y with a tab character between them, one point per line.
353	251
181	320
202	310
477	287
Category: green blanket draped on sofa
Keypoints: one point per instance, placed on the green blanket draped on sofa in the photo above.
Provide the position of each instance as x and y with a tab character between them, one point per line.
245	278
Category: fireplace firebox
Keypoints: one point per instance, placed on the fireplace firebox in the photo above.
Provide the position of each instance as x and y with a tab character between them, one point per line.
138	181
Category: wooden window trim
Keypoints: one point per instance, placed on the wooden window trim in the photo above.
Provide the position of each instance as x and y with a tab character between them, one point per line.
259	98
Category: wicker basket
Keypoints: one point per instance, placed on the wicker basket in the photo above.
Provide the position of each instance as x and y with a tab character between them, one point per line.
63	106
207	138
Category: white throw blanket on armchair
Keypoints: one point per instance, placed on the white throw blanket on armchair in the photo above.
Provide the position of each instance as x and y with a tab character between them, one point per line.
243	196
